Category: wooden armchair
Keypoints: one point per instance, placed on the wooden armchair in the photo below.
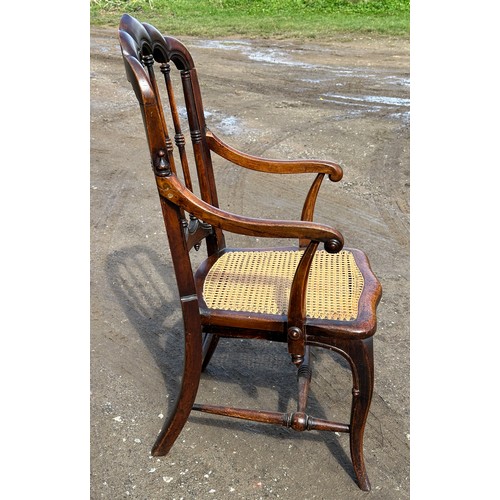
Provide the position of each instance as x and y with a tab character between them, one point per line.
300	296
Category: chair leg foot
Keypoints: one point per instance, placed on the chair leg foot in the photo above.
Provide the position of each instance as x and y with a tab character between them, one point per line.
189	387
361	354
174	425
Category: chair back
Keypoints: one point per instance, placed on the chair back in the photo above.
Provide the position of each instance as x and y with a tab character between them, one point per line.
148	55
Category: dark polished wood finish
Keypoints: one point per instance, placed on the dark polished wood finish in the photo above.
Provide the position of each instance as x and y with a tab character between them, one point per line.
195	219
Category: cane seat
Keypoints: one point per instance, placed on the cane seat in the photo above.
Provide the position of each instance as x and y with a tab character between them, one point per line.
260	281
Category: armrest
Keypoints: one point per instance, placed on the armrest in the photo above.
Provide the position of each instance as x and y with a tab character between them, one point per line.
333	170
173	190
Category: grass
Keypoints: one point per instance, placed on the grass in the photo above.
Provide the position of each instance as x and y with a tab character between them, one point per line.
261	18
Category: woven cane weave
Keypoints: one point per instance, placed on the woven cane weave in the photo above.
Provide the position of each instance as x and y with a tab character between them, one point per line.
260	282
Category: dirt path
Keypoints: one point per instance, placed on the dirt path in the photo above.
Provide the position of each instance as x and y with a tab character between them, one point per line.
347	101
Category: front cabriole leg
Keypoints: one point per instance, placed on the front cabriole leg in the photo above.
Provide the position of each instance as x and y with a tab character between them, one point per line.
359	354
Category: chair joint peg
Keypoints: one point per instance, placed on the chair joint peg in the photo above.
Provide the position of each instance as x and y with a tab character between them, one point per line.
294	333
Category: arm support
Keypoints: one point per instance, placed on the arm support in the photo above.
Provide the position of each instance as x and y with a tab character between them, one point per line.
308	209
172	190
297	305
333	170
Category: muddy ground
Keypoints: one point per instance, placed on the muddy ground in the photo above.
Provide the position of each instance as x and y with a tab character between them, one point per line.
348	101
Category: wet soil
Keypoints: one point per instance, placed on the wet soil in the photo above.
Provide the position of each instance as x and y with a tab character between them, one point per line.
347	101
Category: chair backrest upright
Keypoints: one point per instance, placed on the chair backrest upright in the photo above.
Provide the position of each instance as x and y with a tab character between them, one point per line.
147	56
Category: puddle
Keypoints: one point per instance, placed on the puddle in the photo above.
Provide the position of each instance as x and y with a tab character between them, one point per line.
221	44
325	78
361	100
404	117
327	73
265	55
398	80
335	79
225	124
360	105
